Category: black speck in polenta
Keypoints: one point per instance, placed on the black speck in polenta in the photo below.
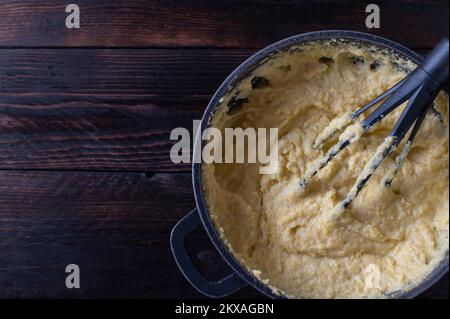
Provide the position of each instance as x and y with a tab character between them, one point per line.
235	103
357	59
285	68
295	50
398	67
326	60
259	82
375	65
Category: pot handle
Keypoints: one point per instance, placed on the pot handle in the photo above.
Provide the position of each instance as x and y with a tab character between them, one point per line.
217	289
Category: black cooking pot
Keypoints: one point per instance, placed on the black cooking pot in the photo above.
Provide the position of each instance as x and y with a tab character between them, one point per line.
241	277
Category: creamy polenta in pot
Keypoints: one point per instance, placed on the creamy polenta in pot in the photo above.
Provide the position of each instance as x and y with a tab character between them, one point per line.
389	239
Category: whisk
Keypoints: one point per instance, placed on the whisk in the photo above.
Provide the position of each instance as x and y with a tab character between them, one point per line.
419	88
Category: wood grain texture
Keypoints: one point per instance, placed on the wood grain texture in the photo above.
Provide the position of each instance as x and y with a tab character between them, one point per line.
154	72
103	109
115	226
82	132
243	24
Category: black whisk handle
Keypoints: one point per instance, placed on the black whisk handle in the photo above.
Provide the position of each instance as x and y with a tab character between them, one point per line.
436	63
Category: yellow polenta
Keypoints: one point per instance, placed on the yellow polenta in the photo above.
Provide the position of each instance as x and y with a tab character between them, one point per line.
389	239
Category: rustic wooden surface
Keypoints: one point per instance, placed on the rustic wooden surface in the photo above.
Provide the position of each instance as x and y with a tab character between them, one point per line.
227	23
85	118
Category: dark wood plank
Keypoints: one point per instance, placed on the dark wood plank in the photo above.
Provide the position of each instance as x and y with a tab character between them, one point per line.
115	226
101	109
250	24
156	72
83	132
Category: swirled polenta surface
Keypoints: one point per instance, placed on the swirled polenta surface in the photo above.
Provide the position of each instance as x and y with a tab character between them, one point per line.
389	239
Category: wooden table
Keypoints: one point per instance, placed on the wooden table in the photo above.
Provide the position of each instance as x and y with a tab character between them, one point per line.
85	118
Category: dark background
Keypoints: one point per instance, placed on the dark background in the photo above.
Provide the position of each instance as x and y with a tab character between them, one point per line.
85	118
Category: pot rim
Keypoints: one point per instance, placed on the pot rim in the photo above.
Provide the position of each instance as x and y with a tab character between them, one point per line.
241	72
